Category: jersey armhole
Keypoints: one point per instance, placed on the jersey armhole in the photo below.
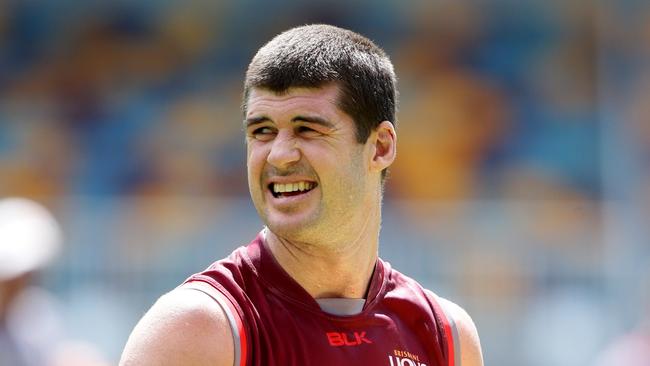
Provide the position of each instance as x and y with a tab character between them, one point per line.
450	328
234	319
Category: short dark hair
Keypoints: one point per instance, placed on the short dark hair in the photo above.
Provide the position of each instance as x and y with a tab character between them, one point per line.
313	55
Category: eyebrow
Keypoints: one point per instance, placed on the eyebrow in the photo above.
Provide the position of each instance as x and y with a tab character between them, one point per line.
255	120
313	119
300	118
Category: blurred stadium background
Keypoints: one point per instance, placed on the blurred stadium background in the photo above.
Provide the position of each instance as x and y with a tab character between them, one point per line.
521	190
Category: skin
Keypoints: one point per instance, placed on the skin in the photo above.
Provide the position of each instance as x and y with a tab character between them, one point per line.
470	344
183	327
326	239
286	145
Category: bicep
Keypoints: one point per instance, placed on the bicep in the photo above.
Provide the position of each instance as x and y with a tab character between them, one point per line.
182	328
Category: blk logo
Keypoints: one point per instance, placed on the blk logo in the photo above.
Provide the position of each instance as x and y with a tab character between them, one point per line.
337	339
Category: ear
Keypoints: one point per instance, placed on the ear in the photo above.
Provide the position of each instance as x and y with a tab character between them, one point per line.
384	143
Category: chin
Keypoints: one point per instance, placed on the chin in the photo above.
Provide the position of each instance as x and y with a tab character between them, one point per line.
295	230
291	221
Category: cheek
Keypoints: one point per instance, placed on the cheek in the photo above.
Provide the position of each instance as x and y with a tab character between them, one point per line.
254	163
342	172
356	173
255	158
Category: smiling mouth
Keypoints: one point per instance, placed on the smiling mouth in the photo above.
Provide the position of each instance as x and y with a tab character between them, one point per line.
291	189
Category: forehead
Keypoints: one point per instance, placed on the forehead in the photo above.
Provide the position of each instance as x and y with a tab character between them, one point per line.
322	100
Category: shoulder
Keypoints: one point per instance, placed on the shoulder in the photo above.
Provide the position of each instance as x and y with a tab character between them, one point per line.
184	327
468	340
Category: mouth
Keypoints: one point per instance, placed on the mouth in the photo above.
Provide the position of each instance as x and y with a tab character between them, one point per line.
291	189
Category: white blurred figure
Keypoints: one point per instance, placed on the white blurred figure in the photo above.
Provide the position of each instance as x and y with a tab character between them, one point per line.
633	347
31	329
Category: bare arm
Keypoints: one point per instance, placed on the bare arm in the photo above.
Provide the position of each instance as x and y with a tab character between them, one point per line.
470	345
184	327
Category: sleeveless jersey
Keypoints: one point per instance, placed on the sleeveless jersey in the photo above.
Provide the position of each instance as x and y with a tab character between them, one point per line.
277	323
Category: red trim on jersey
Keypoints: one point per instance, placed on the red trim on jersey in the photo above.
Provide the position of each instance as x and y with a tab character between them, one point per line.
243	341
449	335
450	340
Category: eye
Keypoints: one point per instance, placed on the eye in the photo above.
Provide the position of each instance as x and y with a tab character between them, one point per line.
263	133
307	131
262	130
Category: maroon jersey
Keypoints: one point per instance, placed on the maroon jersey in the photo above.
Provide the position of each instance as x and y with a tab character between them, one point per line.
277	323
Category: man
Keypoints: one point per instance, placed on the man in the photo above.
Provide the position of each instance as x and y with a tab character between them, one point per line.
32	330
29	238
319	106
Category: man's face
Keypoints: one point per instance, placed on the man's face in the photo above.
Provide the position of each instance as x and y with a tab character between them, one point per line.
307	174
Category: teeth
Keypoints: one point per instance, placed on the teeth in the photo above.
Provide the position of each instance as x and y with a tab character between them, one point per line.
292	187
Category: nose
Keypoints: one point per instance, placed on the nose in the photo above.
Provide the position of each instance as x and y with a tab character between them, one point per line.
283	152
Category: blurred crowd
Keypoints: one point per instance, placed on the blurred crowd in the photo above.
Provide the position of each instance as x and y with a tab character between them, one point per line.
143	99
522	177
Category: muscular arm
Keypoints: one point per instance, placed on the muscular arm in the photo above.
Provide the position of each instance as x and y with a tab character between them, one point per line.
184	327
470	345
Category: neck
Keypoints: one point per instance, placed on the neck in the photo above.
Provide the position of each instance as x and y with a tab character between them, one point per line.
328	271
